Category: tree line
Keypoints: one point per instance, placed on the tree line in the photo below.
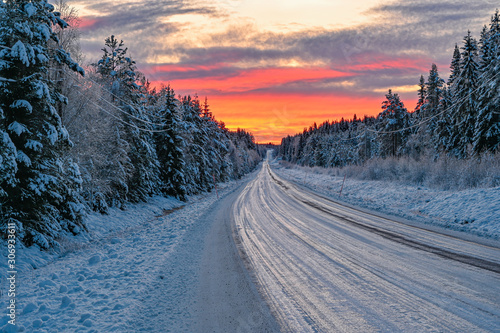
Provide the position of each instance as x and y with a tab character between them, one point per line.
459	117
75	140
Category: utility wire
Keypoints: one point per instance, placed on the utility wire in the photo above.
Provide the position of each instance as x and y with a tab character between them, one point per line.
120	109
464	99
123	121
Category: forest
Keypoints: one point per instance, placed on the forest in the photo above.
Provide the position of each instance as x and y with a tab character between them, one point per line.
455	120
75	139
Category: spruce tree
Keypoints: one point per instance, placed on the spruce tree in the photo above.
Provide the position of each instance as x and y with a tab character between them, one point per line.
487	129
442	131
434	95
198	176
118	74
393	122
40	190
434	92
170	145
465	99
455	66
422	92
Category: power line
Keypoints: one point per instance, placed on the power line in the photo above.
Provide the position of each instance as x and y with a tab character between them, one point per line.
121	120
120	109
436	115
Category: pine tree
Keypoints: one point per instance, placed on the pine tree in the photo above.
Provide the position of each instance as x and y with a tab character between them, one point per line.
434	95
442	132
170	145
455	66
422	92
465	99
444	138
392	125
40	189
216	146
434	92
118	73
197	166
487	129
8	165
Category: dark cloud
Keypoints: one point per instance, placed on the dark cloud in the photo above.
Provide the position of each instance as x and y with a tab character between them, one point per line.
426	9
141	24
125	14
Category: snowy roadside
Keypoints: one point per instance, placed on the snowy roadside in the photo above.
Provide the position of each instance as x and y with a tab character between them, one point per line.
99	282
475	212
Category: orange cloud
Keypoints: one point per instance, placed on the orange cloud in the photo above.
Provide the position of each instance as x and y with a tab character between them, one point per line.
87	22
248	79
373	62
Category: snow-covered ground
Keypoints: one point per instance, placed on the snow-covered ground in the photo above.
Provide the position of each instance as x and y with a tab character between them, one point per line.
475	211
137	270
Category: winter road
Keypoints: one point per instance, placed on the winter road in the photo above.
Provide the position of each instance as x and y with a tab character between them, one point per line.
325	267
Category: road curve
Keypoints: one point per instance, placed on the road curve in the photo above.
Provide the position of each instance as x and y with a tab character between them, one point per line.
325	267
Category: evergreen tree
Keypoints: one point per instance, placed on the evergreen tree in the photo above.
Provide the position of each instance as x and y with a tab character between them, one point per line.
422	92
442	132
487	129
8	165
455	66
434	95
392	125
170	145
118	73
434	92
198	170
40	190
216	147
465	99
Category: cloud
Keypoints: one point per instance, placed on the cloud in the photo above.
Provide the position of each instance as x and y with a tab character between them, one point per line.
200	47
398	48
129	14
143	25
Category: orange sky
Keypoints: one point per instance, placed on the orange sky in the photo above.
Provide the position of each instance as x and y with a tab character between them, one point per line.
251	98
270	116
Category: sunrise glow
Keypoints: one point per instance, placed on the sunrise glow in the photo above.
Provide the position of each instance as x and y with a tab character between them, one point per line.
275	67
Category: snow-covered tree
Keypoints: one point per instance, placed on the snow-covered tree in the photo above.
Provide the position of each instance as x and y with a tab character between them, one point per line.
455	65
487	129
196	136
422	92
434	92
443	127
118	74
170	146
392	126
41	189
465	99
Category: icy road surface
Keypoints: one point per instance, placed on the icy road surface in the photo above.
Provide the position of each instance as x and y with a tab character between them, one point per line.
325	267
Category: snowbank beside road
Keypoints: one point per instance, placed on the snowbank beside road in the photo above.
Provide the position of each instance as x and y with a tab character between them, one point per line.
137	270
474	211
94	279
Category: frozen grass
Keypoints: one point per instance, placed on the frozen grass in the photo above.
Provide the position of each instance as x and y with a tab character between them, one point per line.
444	173
452	194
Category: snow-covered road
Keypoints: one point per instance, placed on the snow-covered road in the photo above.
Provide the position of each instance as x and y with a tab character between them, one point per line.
325	267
